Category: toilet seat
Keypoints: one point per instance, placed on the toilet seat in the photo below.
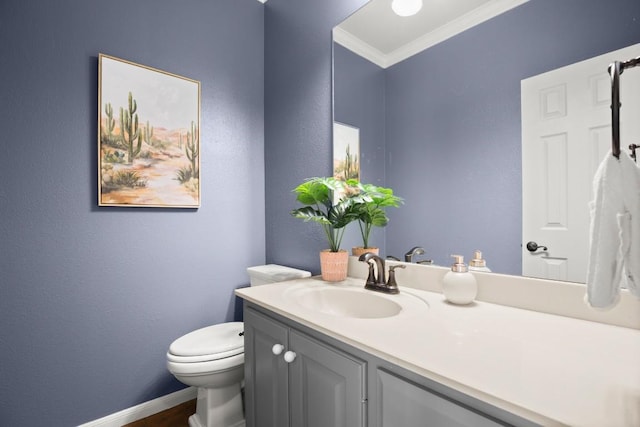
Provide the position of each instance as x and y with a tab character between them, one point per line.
210	343
203	368
213	348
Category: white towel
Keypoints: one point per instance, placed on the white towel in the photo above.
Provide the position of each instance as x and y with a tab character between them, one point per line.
614	256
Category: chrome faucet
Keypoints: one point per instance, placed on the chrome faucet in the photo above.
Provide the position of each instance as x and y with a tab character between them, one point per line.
376	280
416	250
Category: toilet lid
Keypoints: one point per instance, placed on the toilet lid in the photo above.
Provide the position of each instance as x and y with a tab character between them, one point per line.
214	342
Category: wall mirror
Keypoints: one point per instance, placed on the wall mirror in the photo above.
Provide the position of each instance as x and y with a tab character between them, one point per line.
440	115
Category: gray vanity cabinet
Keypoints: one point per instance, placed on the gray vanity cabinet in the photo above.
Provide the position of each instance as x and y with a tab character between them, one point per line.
304	383
402	403
266	375
329	383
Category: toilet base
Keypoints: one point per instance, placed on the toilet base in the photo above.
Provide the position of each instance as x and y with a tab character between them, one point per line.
218	407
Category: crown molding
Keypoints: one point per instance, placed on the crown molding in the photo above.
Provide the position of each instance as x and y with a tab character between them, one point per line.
463	23
354	44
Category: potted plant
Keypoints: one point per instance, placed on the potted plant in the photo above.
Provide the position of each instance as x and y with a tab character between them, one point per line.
370	211
328	202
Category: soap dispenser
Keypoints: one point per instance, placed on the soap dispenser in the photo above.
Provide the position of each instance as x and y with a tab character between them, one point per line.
478	263
458	285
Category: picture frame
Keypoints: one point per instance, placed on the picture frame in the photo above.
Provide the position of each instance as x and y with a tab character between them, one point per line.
148	136
346	151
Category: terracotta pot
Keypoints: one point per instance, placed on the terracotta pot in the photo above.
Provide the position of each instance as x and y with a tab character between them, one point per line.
359	250
333	265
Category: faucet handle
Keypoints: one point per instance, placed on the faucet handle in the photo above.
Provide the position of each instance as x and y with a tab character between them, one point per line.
392	286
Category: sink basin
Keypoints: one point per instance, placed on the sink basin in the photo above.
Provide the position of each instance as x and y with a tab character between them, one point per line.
345	302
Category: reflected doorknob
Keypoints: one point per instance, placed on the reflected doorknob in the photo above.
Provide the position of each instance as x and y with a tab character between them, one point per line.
533	246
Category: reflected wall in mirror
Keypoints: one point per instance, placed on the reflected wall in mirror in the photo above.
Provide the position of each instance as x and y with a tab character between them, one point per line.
443	127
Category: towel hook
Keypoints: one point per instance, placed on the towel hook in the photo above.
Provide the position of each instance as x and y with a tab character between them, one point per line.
615	70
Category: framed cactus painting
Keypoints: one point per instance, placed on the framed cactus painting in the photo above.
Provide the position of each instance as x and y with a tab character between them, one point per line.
346	152
148	136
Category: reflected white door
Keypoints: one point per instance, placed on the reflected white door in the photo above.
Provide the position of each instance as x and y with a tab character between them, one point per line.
566	132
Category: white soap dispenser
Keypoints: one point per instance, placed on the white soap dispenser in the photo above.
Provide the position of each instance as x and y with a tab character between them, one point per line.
458	285
478	263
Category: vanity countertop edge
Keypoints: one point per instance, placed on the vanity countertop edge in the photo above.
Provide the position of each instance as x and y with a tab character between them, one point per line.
549	369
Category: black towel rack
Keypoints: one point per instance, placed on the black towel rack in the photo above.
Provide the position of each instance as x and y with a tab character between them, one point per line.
615	70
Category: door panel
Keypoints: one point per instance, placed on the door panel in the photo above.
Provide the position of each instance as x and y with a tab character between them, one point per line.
566	132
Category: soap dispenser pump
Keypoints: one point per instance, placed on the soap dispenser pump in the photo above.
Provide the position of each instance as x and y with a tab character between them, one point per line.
458	285
478	263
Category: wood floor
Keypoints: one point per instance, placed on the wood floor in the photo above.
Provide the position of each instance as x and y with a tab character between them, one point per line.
177	416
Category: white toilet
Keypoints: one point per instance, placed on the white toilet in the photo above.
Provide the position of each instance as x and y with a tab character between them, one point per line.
212	359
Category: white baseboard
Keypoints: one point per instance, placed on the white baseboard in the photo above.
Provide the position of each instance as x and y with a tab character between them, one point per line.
145	409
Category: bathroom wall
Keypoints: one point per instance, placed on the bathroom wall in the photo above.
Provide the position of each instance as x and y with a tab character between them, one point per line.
91	298
298	119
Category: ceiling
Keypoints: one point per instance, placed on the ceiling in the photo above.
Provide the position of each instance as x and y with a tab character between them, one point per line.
384	38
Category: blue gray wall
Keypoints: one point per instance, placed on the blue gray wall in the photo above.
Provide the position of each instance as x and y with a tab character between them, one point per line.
91	298
298	119
453	122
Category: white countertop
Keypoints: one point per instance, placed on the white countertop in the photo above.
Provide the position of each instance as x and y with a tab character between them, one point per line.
550	369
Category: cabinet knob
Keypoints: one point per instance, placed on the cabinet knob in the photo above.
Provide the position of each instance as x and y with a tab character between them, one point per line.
289	356
277	349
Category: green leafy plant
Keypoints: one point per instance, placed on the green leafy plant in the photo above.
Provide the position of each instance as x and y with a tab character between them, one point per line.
317	195
370	207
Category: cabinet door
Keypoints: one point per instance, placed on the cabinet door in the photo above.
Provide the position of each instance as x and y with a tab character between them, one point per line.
327	387
266	378
405	404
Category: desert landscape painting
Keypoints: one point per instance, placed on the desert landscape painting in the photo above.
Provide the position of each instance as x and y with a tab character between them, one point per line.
148	136
346	152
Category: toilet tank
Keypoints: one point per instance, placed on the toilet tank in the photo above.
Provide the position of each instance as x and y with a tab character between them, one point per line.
271	273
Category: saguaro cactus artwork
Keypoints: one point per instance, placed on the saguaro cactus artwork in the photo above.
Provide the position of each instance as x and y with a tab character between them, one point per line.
350	165
192	150
148	133
110	122
129	130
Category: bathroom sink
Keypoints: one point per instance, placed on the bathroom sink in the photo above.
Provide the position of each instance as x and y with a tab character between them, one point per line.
347	302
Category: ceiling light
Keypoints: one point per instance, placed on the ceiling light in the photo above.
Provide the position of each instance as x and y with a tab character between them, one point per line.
406	7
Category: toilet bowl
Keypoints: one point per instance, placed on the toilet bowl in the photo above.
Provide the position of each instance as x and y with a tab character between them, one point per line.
212	359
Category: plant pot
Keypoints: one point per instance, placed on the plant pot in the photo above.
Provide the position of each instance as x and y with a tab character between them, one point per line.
359	250
333	265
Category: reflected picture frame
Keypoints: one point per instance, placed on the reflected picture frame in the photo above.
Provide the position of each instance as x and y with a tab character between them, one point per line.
346	152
